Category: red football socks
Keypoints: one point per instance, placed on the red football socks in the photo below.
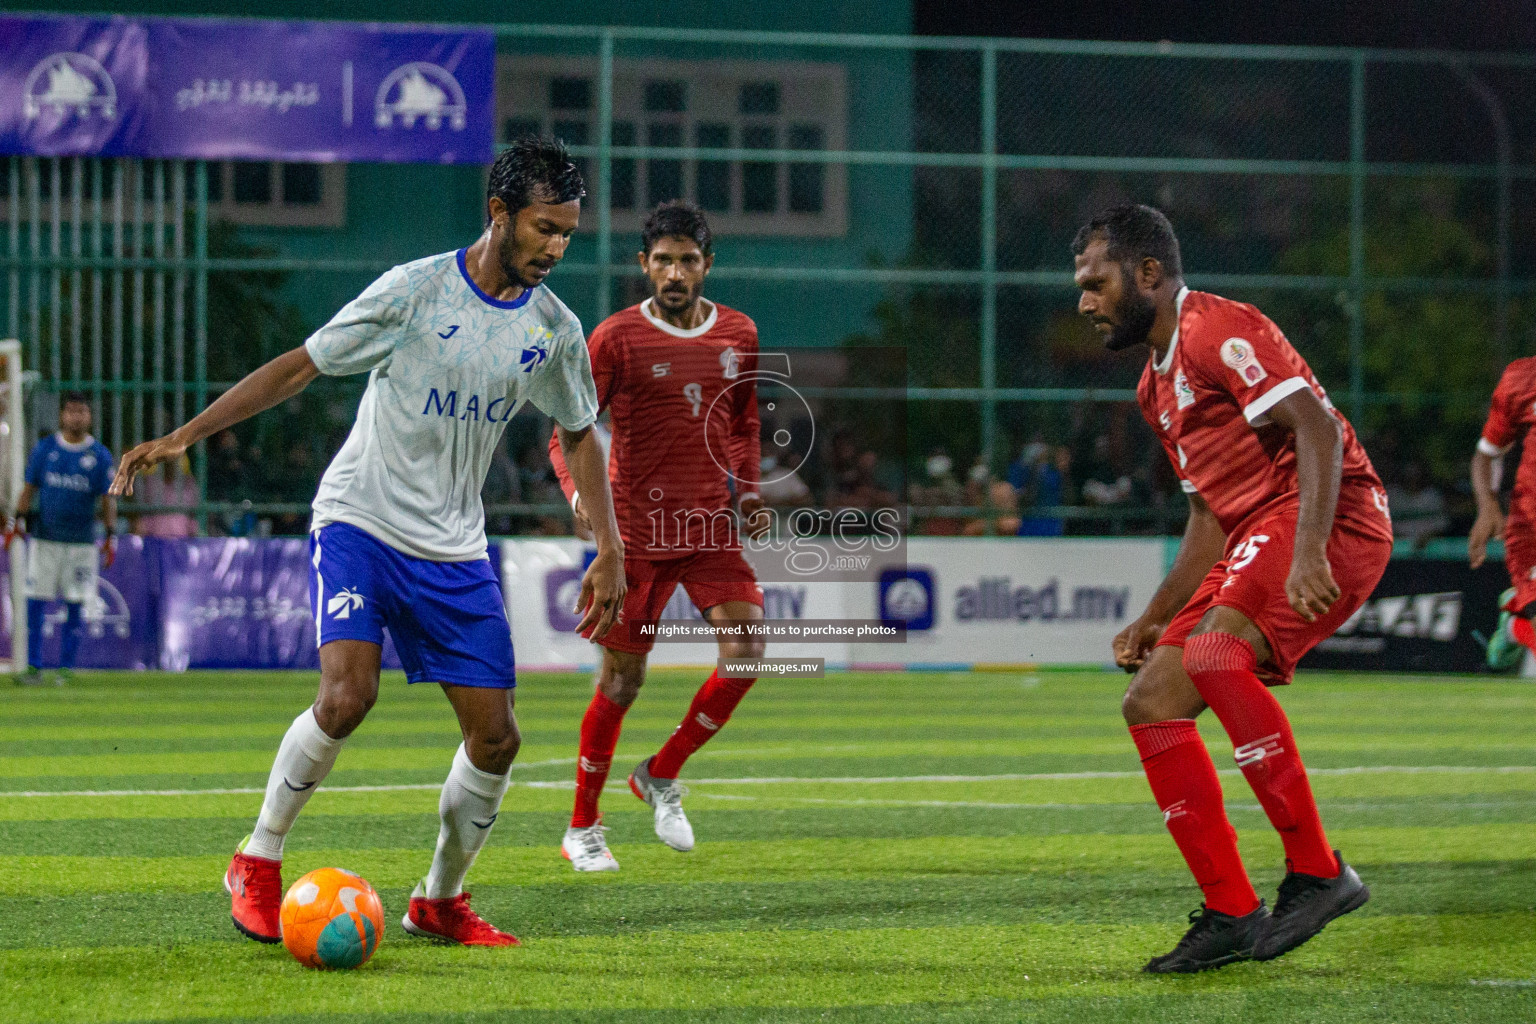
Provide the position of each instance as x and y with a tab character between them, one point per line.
1524	632
1224	670
599	735
1185	786
711	708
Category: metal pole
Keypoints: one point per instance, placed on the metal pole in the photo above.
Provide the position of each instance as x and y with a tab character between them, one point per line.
76	249
157	352
97	240
988	253
200	325
604	173
119	184
179	292
136	359
56	275
13	230
34	338
1357	237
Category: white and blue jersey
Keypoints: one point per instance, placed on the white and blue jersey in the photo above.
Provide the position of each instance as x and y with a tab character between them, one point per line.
398	538
448	366
69	478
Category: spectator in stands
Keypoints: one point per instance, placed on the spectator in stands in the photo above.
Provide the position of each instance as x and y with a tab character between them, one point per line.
539	486
502	487
298	484
781	485
859	486
1050	481
172	486
939	488
1418	507
1106	483
236	476
1022	471
1002	516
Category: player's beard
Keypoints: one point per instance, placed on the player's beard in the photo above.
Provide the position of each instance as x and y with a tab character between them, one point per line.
1135	317
507	257
677	301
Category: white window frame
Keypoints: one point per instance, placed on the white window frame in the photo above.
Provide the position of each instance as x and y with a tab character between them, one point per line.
810	93
329	212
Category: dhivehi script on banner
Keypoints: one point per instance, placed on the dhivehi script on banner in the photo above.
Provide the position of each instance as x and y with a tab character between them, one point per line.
231	89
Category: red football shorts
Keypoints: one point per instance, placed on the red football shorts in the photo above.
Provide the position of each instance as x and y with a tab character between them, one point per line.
1251	580
1520	559
710	577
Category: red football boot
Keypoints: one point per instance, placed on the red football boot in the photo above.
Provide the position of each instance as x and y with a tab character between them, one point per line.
450	920
255	887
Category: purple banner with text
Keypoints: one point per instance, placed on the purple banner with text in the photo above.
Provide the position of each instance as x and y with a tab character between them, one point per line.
316	92
211	603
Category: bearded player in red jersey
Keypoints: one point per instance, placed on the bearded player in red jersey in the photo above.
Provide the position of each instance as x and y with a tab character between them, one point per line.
1288	534
675	374
1510	418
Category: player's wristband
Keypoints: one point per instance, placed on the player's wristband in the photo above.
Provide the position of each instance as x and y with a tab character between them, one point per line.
749	496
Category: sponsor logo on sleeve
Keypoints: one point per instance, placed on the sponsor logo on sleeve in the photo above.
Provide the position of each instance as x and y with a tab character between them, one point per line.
1238	354
1182	391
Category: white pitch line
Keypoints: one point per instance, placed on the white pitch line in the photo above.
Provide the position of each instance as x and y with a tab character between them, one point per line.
847	780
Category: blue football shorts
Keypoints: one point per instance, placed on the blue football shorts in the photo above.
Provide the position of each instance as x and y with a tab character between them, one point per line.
447	619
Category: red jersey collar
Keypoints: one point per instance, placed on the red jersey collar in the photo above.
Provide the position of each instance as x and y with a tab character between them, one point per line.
1173	343
677	332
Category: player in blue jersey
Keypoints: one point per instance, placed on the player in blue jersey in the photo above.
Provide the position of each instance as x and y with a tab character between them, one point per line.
68	475
453	345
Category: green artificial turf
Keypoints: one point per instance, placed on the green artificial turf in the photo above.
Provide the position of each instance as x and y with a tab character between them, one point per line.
872	847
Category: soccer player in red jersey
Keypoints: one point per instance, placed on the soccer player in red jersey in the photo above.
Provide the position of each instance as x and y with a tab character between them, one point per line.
1510	417
675	374
1288	534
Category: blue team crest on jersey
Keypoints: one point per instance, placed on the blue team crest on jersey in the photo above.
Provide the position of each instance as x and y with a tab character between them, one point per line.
534	355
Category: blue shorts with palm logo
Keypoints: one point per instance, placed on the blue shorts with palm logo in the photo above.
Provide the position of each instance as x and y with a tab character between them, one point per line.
447	619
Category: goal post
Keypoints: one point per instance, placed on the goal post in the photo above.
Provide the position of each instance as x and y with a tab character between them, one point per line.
13	469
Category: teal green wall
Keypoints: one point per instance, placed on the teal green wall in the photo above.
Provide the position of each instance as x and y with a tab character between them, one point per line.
402	212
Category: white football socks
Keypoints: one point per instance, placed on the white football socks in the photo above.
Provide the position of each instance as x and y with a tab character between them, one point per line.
303	760
470	802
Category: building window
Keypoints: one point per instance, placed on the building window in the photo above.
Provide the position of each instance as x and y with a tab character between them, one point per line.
277	195
705	105
258	193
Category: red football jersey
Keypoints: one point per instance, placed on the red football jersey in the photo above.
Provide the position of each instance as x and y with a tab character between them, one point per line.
1209	399
1510	418
684	419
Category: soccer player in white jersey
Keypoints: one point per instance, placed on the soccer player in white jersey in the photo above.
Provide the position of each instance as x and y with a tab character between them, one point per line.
453	345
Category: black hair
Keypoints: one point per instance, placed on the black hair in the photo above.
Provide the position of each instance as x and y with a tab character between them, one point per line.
535	169
1134	232
74	396
677	217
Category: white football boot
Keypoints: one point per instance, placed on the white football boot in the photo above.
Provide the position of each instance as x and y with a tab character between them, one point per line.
587	849
666	797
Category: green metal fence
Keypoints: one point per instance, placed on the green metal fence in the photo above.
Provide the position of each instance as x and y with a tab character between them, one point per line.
1377	203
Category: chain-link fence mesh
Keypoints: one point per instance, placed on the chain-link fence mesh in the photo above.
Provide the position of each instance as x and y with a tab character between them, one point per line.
867	194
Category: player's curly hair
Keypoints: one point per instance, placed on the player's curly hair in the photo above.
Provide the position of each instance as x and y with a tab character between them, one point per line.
535	169
1134	231
677	217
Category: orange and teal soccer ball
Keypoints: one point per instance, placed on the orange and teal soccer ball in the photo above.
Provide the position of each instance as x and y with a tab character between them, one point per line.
332	919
